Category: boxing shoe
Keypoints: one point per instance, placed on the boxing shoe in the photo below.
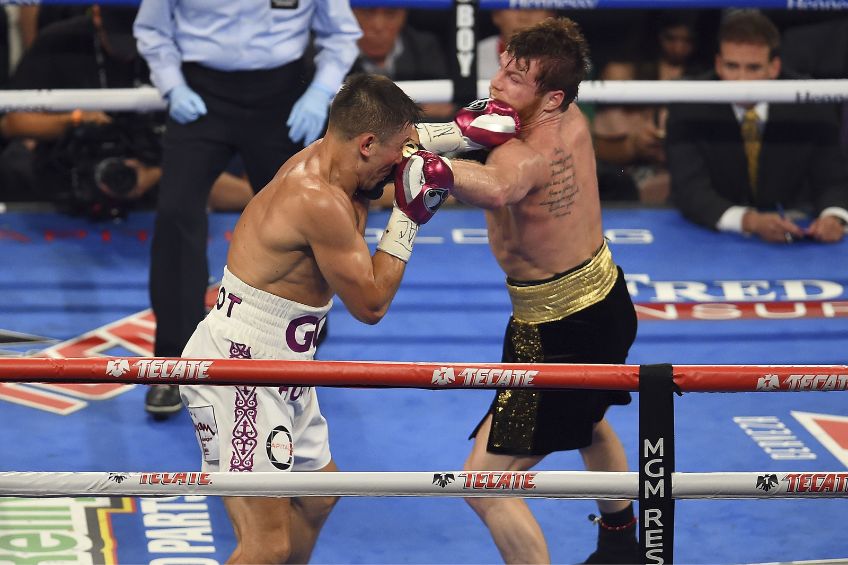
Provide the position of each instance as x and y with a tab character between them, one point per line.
163	401
616	544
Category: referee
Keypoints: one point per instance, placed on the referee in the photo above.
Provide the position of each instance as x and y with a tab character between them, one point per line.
237	82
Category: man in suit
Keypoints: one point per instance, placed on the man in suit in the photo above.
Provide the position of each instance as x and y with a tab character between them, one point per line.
392	48
737	167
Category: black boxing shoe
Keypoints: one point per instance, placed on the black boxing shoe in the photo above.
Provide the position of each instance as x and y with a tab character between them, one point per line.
163	401
625	555
616	545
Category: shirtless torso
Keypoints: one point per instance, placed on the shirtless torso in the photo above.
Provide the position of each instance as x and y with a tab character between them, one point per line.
270	248
301	237
540	193
556	225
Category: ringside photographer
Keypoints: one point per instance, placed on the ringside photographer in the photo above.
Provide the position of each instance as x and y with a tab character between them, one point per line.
88	162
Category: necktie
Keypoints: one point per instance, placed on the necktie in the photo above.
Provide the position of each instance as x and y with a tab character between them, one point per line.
753	143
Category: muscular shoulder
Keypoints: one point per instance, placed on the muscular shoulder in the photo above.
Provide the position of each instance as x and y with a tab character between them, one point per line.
313	197
322	208
522	159
577	129
289	210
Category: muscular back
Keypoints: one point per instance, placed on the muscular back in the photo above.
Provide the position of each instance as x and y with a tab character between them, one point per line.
556	225
272	245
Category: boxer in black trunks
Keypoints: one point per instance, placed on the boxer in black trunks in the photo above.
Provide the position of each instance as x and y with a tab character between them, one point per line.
600	333
570	301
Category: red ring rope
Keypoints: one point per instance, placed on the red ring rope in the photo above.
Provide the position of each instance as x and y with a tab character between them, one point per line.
151	370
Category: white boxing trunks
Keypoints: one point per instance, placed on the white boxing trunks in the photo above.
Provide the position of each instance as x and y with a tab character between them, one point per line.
247	428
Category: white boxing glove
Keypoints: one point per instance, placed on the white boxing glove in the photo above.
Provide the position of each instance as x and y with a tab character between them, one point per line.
483	124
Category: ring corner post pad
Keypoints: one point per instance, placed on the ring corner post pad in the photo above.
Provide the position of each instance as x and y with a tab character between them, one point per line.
656	463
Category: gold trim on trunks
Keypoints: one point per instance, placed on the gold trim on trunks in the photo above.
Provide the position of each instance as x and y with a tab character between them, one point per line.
567	294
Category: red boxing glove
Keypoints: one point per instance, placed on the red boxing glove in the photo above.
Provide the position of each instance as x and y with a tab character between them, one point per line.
488	123
423	181
483	124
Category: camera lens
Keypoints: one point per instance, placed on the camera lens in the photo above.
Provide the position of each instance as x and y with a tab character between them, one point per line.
116	175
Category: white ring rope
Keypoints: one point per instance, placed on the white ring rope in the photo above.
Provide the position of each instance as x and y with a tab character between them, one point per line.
145	98
727	91
620	92
534	484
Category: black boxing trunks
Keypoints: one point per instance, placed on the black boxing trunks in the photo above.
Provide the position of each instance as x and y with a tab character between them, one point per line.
584	315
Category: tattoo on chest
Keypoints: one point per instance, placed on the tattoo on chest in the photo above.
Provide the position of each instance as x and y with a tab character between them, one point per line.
560	191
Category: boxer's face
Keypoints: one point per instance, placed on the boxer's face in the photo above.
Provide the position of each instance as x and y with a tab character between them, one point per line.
384	156
515	84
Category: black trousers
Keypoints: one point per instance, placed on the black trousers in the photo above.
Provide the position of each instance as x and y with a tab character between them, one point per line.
246	115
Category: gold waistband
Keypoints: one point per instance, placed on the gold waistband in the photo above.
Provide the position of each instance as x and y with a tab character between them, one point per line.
565	295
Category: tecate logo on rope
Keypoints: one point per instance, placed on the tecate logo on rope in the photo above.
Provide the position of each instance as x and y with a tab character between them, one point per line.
805	482
484	377
493	480
803	382
174	479
816	482
161	369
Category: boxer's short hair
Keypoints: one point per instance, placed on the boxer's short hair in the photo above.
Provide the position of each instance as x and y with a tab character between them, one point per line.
372	103
561	51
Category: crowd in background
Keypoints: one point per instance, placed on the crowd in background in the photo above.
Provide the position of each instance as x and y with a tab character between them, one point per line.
52	160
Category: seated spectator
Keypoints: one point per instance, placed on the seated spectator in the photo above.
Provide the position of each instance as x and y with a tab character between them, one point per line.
88	161
670	53
629	139
736	167
507	21
392	48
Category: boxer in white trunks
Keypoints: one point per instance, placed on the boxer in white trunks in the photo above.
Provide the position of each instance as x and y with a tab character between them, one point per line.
297	244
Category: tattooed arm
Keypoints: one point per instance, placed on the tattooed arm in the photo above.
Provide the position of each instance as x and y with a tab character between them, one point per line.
510	173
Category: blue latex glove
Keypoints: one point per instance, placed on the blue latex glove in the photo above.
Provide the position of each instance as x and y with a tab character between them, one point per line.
185	105
306	121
